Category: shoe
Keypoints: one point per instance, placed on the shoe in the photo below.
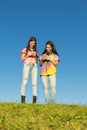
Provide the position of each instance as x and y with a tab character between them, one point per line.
22	99
34	99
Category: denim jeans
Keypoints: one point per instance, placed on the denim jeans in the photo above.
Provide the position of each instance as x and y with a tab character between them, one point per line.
29	69
49	85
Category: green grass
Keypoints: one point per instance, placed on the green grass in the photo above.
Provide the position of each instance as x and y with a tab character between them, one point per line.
17	116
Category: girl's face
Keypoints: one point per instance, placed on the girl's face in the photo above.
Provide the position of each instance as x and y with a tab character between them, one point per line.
48	48
32	44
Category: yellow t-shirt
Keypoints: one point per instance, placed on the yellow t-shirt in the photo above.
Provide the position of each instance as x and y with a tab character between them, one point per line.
48	68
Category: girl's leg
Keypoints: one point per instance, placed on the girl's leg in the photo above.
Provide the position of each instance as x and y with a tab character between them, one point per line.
45	82
34	82
26	71
52	80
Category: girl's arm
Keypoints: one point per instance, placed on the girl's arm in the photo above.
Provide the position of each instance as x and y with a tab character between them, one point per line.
42	58
54	62
41	62
24	57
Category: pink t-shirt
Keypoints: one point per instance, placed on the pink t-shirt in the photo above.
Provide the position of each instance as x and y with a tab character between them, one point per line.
31	59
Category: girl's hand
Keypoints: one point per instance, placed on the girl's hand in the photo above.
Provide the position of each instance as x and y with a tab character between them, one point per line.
43	57
47	58
32	53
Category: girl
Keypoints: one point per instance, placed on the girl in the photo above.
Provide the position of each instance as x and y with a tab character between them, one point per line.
29	56
48	62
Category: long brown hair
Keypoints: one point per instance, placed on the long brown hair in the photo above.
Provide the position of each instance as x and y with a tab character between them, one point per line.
28	45
53	47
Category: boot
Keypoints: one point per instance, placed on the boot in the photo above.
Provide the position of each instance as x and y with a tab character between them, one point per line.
34	99
22	99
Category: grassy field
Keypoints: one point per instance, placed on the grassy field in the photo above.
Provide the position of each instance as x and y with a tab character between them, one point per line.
17	116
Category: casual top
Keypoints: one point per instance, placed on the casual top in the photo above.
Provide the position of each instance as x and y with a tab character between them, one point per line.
48	68
31	59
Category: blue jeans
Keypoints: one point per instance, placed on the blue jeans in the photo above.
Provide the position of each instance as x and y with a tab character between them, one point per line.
29	68
49	85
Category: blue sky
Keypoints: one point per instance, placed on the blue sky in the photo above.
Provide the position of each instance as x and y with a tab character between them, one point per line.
62	21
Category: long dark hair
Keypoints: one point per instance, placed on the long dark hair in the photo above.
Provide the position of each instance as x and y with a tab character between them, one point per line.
28	45
53	47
